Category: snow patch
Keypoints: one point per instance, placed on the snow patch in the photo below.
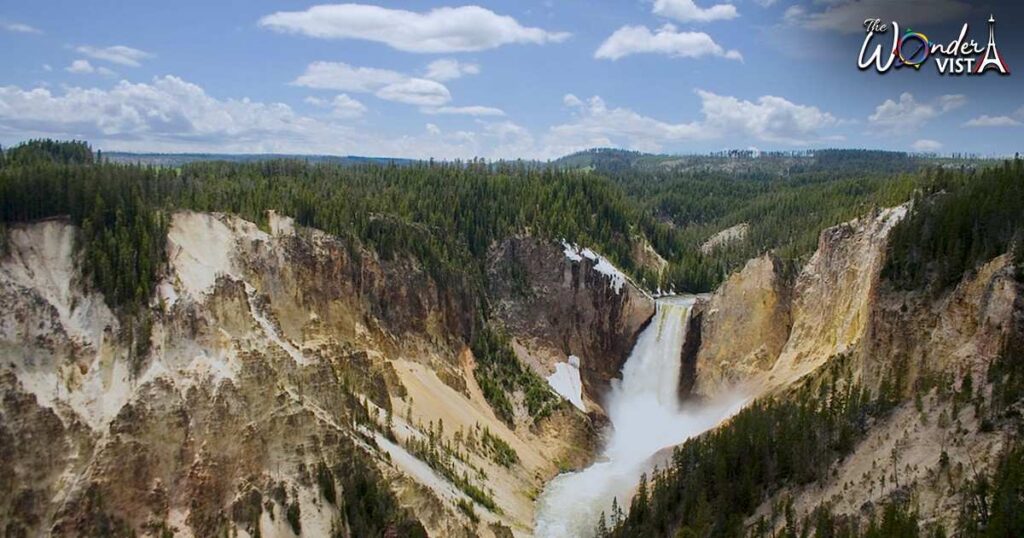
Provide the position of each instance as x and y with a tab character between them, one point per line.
574	253
567	383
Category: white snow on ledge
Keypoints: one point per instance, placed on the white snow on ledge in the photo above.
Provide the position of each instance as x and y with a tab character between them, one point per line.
566	382
601	265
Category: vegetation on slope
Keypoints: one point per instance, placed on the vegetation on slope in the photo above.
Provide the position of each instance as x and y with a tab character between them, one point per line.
499	374
717	480
962	220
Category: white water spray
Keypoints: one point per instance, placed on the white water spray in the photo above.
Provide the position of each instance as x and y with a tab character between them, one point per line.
646	417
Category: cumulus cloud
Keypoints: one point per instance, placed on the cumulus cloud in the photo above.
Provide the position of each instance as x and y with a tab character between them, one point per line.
19	27
908	112
450	69
847	16
440	30
688	11
926	145
342	106
83	67
118	54
666	40
166	113
596	124
173	115
769	119
465	110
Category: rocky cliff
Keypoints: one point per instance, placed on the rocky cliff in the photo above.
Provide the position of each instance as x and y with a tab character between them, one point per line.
562	300
294	383
763	334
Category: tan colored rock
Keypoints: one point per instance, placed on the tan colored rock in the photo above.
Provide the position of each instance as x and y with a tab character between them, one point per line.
744	325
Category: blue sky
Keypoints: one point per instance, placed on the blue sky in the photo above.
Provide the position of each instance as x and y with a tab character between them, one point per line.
497	79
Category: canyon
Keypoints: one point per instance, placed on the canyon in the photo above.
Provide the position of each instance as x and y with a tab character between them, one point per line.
283	362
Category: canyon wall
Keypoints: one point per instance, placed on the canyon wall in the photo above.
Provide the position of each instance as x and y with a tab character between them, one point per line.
294	382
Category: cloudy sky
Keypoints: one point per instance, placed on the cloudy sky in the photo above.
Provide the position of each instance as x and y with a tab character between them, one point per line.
503	79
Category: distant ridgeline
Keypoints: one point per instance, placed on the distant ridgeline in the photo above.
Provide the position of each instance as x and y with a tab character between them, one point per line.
447	215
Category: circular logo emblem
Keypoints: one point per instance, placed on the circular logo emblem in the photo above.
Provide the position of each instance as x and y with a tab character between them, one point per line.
913	49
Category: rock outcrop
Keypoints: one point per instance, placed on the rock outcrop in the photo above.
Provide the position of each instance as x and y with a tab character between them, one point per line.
762	334
742	327
290	375
561	300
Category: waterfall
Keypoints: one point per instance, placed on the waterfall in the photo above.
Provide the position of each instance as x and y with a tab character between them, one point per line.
645	416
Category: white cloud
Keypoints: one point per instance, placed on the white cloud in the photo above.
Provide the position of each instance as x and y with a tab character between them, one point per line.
666	40
465	110
342	106
433	129
47	68
344	77
597	125
118	54
83	67
909	113
847	16
80	67
688	11
384	83
167	113
19	28
1015	119
172	115
769	119
926	145
416	91
445	29
571	100
992	121
450	69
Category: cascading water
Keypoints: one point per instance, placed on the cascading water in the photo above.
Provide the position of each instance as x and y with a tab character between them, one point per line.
646	417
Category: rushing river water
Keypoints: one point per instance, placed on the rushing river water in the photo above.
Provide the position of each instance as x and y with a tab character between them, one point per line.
646	417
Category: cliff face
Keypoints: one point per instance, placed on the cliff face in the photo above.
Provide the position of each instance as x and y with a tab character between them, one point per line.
742	327
761	330
561	300
289	374
762	335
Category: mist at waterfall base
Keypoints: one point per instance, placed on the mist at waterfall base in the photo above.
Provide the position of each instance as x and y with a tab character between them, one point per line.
645	416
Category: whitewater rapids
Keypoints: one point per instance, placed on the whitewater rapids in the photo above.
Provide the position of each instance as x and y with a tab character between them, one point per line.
645	416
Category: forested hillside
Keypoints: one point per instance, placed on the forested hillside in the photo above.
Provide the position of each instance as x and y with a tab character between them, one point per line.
448	214
959	221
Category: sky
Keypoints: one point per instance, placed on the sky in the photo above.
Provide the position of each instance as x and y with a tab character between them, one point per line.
503	79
